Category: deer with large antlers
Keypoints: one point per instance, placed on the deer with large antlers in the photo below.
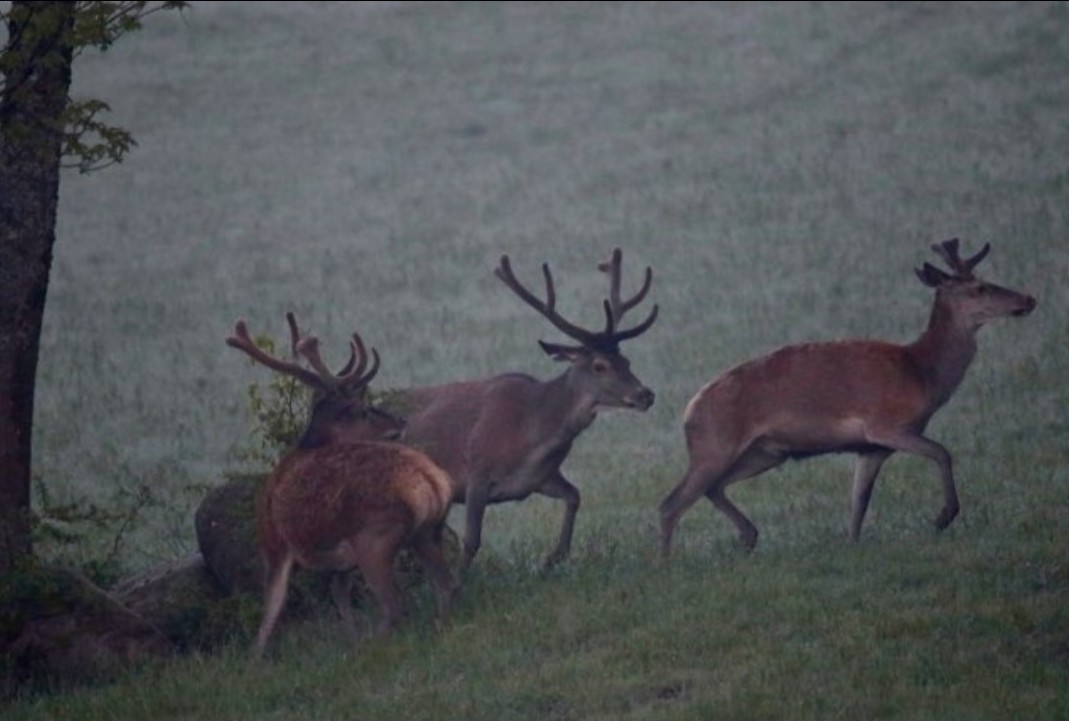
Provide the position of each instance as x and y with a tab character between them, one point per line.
342	499
857	396
505	438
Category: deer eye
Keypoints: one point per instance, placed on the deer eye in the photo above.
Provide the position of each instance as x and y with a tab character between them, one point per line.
600	367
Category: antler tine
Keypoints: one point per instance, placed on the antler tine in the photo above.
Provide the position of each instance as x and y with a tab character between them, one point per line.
295	333
295	339
638	329
948	251
620	307
243	342
613	268
545	308
551	291
363	379
348	367
975	260
355	350
354	377
309	348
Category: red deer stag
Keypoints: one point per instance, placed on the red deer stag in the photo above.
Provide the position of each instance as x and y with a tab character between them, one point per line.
340	500
504	438
855	396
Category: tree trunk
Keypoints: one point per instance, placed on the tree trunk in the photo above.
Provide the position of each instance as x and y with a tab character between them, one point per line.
37	75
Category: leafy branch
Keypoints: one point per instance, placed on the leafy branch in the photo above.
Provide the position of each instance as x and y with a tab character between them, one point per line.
279	411
87	141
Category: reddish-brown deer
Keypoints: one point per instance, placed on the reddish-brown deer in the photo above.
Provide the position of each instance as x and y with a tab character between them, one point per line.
341	500
504	438
857	396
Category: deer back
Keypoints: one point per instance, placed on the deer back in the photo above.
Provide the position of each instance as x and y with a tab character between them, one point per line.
492	427
317	498
817	396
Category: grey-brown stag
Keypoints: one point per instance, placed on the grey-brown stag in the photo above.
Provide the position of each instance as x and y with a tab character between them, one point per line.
855	396
505	438
343	499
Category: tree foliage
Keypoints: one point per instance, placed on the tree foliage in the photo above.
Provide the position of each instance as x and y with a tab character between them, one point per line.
89	143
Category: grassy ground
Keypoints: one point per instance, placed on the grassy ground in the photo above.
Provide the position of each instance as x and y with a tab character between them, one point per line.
782	167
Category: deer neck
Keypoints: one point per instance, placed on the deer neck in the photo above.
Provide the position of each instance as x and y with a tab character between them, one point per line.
944	351
313	436
568	404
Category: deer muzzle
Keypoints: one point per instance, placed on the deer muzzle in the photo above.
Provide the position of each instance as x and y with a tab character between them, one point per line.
641	399
1029	306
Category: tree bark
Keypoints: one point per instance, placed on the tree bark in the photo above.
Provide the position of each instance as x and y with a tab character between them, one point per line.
37	76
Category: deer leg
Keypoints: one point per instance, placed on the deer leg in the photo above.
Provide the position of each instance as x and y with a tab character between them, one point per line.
376	551
276	584
475	501
710	479
926	448
557	486
683	496
752	463
428	548
747	530
865	472
341	592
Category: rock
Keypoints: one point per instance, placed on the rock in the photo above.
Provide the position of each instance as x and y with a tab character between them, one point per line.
182	599
81	634
225	523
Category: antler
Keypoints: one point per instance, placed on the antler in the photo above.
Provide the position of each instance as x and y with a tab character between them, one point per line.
619	307
615	307
948	251
545	308
243	342
351	377
357	350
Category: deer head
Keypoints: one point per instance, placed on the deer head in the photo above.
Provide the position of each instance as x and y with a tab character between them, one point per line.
340	409
973	300
598	366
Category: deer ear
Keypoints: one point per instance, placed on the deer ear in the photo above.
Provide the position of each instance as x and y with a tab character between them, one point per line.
562	352
931	276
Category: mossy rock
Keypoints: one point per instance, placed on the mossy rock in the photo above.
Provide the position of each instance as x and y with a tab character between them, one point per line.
70	631
183	600
225	523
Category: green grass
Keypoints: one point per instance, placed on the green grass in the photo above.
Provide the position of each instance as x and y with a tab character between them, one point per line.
782	167
915	628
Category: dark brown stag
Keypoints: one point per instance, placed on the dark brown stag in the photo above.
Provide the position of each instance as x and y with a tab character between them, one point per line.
856	396
340	500
504	438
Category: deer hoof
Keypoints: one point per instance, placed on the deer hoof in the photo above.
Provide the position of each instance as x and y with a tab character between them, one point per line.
945	517
553	560
748	540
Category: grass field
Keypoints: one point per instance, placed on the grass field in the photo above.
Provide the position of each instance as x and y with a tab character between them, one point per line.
783	167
